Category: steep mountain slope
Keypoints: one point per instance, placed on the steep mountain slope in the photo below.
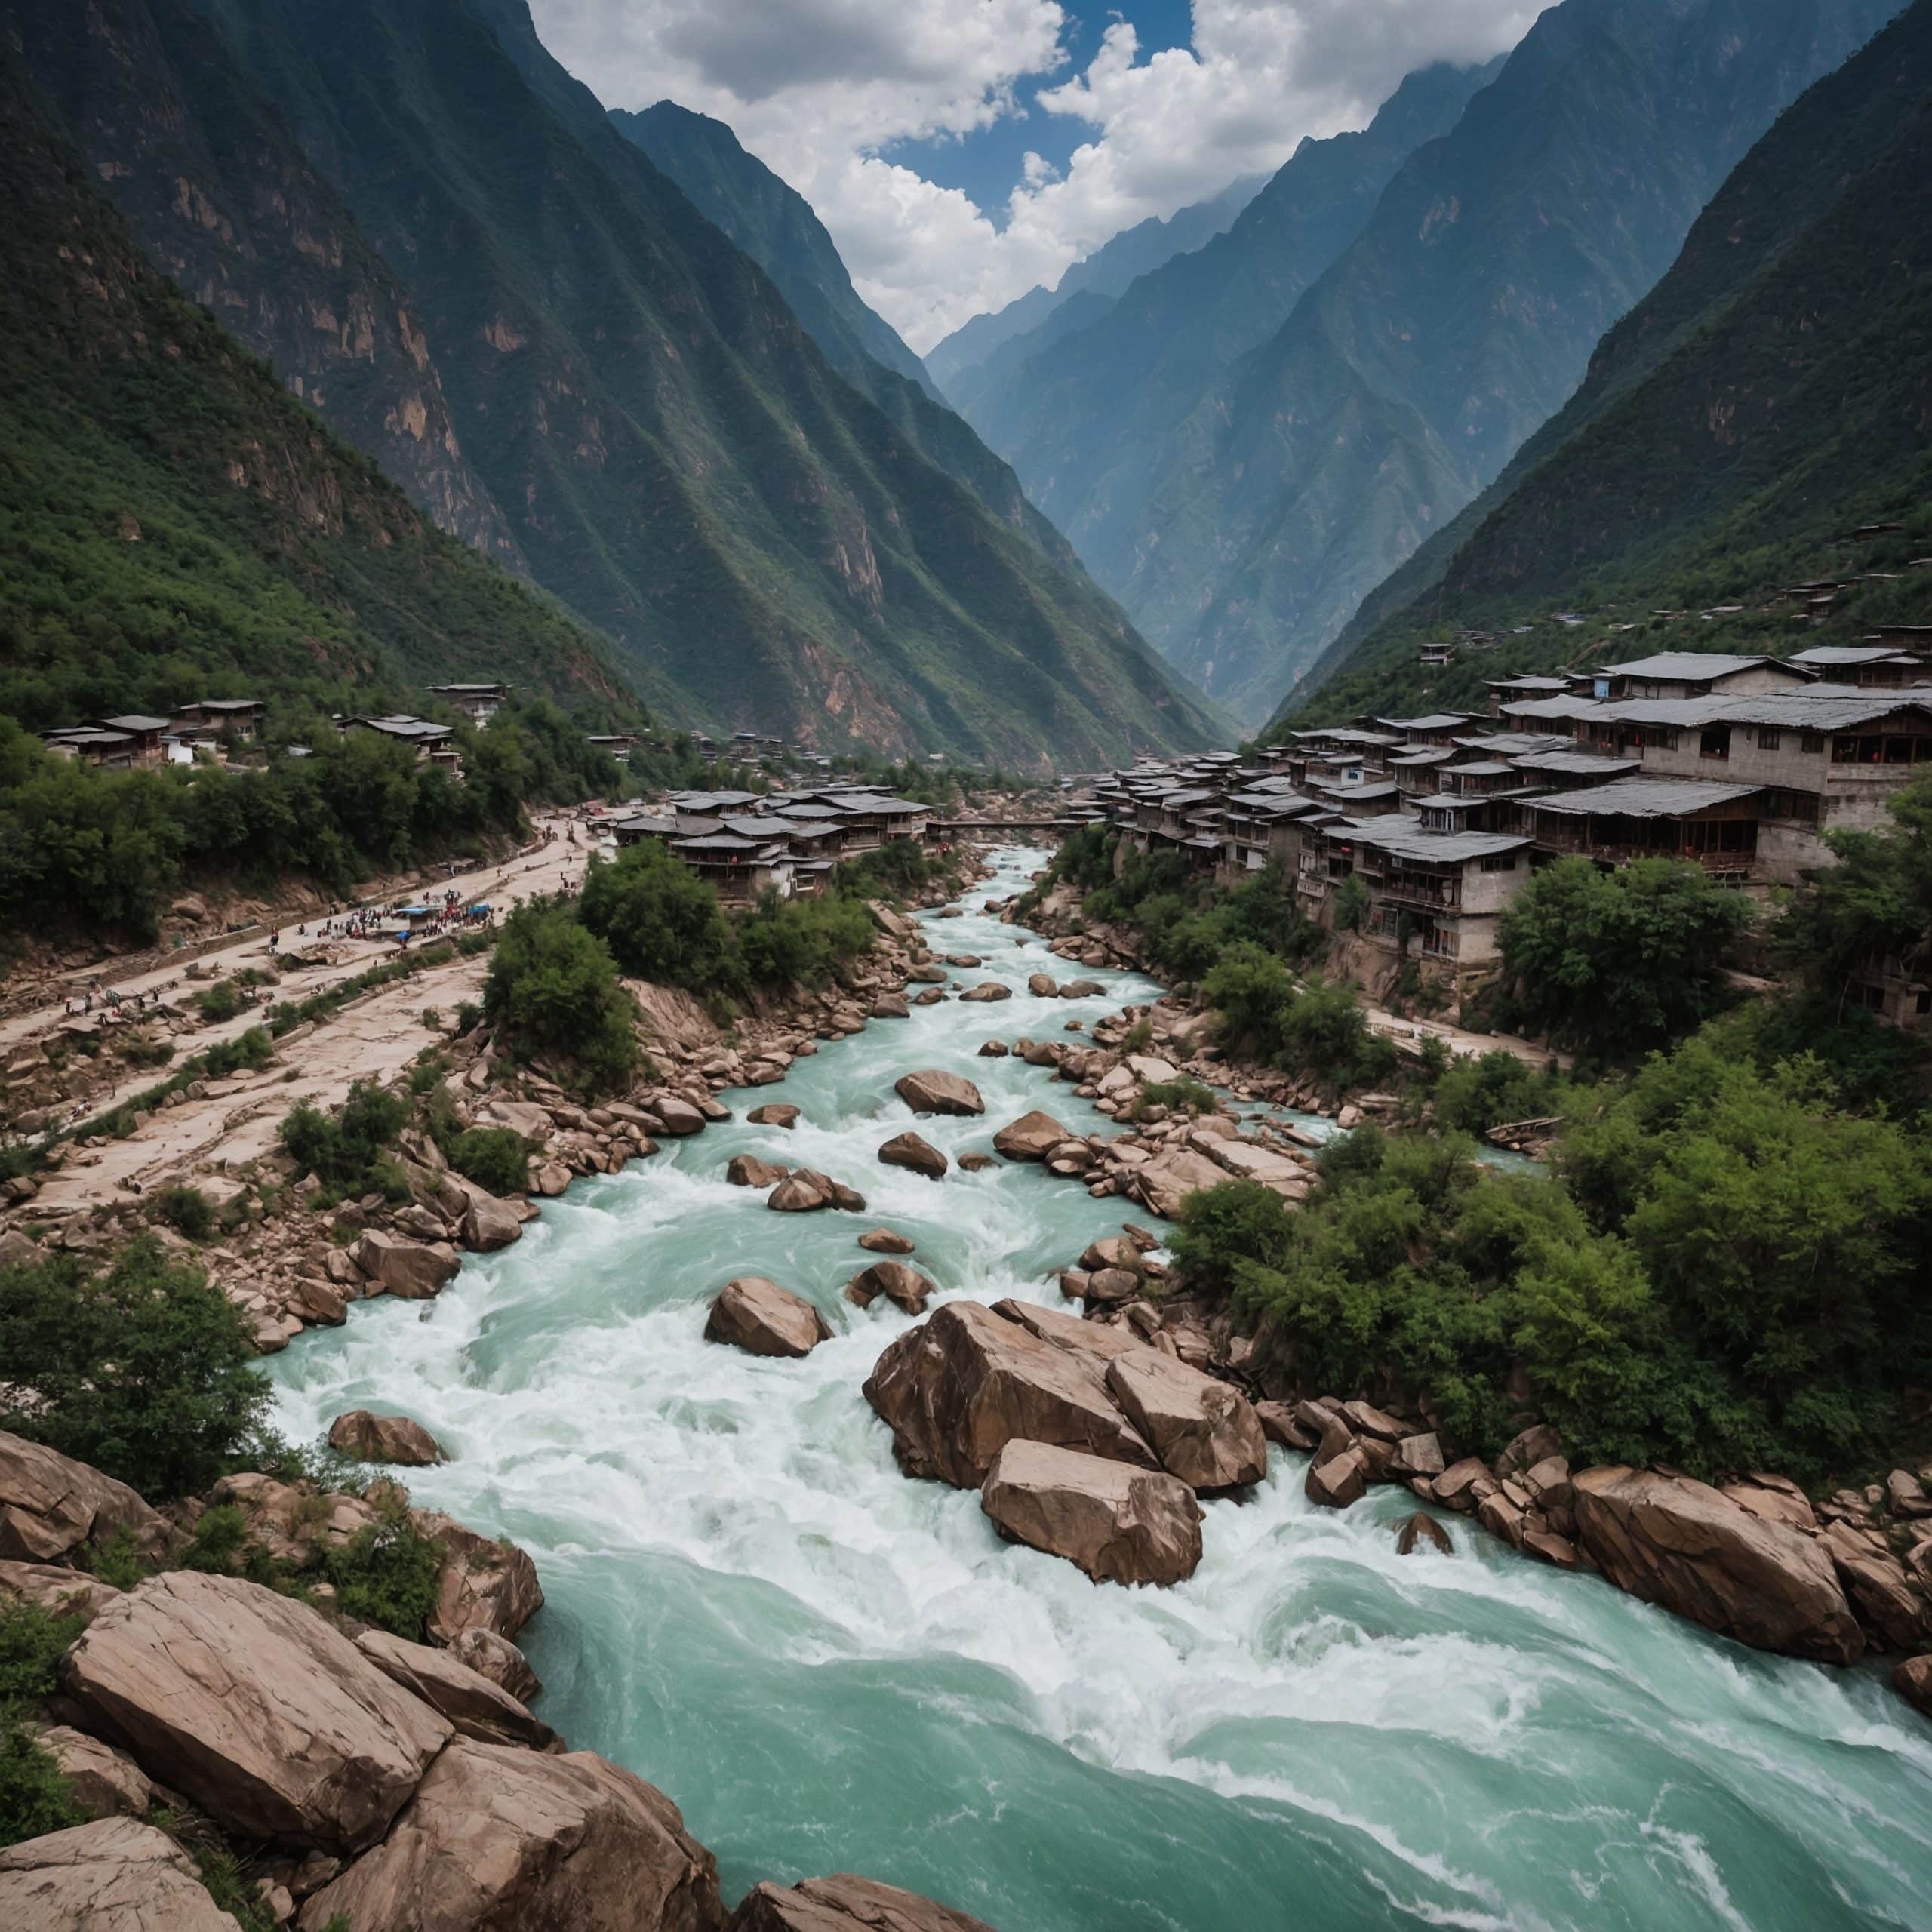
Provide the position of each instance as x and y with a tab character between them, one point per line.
1459	319
774	225
222	200
1097	421
974	355
1771	394
174	524
672	456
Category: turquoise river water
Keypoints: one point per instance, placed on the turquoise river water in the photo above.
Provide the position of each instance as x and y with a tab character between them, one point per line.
832	1669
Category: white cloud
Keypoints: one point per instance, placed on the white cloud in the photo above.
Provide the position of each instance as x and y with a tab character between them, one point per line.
817	88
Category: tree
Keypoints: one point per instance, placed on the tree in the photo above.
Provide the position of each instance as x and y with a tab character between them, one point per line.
552	990
659	920
1616	963
145	1371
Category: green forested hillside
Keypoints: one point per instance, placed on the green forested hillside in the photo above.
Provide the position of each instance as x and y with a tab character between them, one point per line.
773	224
173	525
1771	395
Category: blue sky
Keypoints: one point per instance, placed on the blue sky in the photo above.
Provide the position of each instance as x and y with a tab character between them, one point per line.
961	151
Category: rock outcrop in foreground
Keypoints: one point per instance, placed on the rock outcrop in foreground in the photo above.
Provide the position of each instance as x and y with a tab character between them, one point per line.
113	1875
1118	1523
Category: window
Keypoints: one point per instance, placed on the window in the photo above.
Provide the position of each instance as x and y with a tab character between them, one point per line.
1714	741
1500	862
1799	807
1813	741
1924	1002
1862	994
1769	738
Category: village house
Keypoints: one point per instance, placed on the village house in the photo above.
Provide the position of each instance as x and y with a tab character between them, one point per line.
432	743
479	704
241	718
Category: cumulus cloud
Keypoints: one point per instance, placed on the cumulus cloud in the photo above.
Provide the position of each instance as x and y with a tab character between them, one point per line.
822	89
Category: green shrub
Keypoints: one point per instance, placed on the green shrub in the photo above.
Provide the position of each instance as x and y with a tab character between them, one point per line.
145	1371
219	1002
1179	1096
786	942
659	920
32	1642
189	1211
345	1153
386	1574
495	1158
34	1798
552	990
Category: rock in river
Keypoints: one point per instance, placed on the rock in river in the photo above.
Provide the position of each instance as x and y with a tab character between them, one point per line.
478	1708
374	1438
762	1318
1204	1431
933	1092
1681	1543
1031	1138
916	1153
956	1390
1118	1523
904	1286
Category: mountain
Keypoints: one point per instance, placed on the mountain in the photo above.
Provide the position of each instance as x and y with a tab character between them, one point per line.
671	454
1457	322
176	525
959	364
1099	422
774	225
1771	394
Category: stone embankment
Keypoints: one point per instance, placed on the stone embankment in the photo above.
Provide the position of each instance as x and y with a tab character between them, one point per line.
361	1776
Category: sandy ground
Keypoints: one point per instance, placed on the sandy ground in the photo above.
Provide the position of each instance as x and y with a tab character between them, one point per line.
1465	1046
372	1039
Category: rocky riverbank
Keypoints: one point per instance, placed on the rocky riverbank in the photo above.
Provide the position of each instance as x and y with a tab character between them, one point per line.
1836	1578
340	1774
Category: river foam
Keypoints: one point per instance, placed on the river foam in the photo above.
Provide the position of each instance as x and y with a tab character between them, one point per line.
832	1668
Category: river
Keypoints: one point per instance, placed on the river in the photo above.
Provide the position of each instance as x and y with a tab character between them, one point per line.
832	1669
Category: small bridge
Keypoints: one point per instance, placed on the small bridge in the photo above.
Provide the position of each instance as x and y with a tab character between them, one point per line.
998	828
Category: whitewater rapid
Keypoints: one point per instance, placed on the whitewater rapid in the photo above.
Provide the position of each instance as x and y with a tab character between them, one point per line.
831	1668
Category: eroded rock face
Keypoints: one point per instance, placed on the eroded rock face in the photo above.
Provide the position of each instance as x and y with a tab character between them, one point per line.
115	1875
478	1708
935	1092
501	1840
50	1505
1031	1138
256	1708
956	1390
843	1904
55	1588
758	1316
1118	1523
916	1153
375	1438
1204	1431
1680	1543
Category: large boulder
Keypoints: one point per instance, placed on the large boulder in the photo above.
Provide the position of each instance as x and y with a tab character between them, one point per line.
758	1316
498	1659
1097	1341
102	1782
1681	1543
1118	1523
497	1839
774	1113
933	1092
883	1241
115	1875
405	1267
898	1282
987	990
374	1438
956	1390
1031	1138
256	1708
478	1708
489	1223
485	1584
748	1170
676	1116
796	1195
1204	1431
914	1152
50	1505
843	1904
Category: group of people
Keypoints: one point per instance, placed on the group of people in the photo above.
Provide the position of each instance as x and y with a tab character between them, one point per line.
82	1004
